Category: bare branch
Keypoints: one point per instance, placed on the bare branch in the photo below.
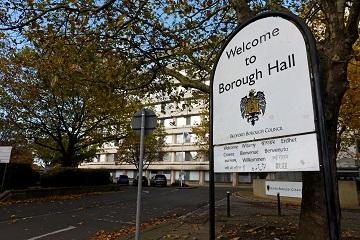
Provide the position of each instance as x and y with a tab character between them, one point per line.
185	81
242	10
60	7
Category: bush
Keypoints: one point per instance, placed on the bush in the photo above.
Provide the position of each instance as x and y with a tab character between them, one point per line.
18	176
71	177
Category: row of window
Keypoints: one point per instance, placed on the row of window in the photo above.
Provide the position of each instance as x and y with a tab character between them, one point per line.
180	138
180	156
176	107
167	157
180	121
186	175
190	175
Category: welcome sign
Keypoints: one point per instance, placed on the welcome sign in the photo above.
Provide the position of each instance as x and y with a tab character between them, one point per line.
262	102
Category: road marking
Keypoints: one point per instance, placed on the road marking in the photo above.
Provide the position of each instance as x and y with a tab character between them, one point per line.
52	233
115	221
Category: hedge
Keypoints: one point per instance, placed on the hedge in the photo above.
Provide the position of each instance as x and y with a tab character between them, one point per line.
18	176
71	177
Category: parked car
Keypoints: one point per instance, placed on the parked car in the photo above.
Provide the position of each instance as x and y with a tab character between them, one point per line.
158	180
123	180
145	181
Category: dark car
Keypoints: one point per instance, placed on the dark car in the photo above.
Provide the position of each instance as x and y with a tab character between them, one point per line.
123	180
158	180
145	181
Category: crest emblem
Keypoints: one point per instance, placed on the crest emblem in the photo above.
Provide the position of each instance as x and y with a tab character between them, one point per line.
252	106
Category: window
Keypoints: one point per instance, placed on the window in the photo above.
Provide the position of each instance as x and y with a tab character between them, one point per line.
168	139
167	157
170	122
179	138
194	176
195	120
119	172
188	121
167	174
207	176
181	121
131	173
97	158
185	174
190	156
188	137
179	156
184	138
110	157
223	177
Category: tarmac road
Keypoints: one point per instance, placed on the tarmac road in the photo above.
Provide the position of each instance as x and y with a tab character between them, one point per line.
83	217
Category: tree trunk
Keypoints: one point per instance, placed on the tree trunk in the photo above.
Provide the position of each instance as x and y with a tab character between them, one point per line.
68	159
313	218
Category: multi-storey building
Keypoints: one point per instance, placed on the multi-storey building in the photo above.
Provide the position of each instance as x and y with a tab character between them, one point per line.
182	154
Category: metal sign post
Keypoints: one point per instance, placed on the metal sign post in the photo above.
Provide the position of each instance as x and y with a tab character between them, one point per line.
138	203
3	179
145	121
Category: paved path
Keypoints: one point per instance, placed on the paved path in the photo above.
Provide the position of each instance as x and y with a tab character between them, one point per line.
251	219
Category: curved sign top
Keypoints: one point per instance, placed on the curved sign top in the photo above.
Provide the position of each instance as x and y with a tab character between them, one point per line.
261	84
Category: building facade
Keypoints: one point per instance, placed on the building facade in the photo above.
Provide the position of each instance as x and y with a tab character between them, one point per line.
182	155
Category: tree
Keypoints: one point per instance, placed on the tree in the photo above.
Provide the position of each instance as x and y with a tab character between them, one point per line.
56	94
129	148
180	40
349	118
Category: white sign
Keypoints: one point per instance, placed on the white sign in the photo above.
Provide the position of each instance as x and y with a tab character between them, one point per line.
5	152
261	84
296	153
285	189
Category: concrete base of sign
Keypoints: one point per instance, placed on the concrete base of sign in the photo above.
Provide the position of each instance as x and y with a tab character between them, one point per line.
347	193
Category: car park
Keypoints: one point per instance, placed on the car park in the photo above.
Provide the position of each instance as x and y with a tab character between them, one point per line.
123	180
145	181
158	180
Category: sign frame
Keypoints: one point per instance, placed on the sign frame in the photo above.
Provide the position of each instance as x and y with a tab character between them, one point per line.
319	119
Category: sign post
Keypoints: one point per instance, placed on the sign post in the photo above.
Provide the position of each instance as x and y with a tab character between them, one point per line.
5	153
266	110
143	122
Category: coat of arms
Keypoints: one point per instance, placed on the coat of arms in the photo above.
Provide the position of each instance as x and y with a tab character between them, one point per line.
252	106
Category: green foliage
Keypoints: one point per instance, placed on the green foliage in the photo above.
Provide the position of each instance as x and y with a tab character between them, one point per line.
18	176
349	118
69	177
129	148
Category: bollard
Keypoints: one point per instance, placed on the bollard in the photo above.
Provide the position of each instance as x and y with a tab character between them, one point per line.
228	203
278	204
